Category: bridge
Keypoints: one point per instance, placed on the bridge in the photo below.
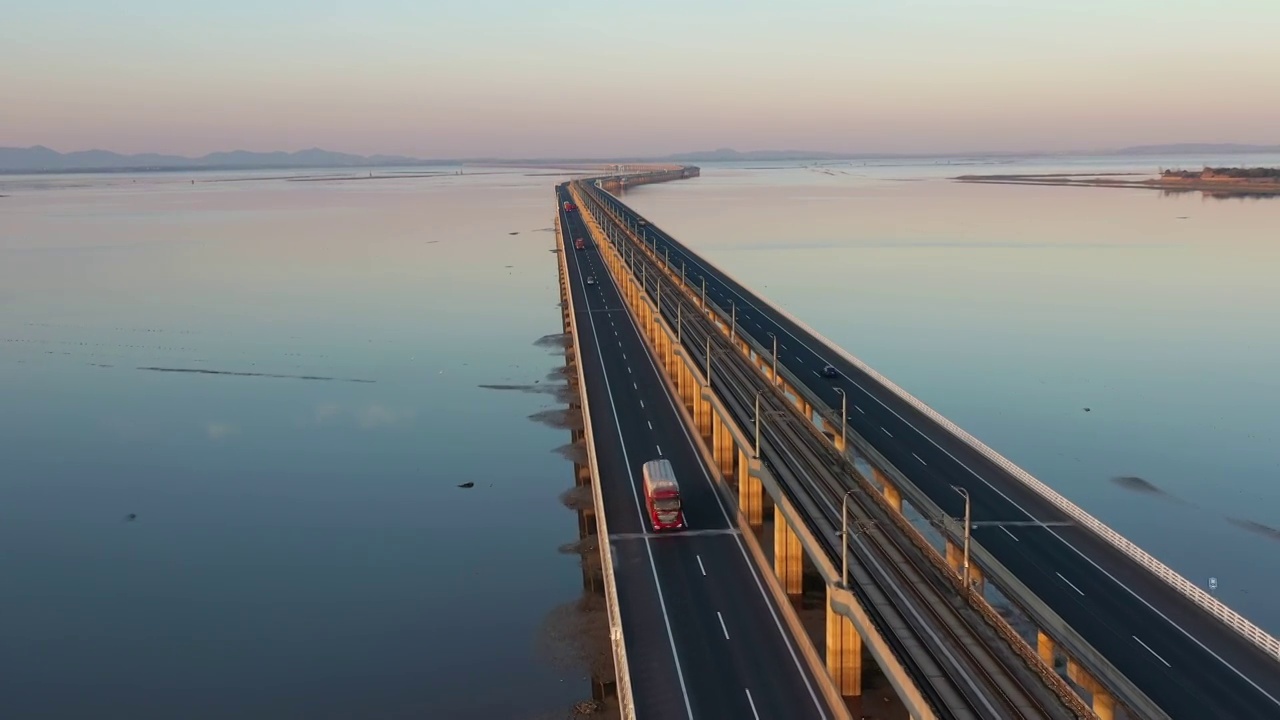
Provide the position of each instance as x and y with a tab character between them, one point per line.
677	359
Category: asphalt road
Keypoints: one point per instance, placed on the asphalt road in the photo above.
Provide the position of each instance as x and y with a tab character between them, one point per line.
704	638
1190	664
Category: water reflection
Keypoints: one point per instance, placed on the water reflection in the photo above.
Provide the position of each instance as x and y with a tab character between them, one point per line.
300	545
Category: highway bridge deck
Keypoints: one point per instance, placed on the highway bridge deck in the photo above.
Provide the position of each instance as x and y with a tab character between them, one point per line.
704	639
1189	663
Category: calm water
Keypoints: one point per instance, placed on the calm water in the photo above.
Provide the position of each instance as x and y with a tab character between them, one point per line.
301	548
1012	308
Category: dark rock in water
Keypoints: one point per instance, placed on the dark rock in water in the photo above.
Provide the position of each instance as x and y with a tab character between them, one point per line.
131	517
1132	482
1255	527
1086	409
467	485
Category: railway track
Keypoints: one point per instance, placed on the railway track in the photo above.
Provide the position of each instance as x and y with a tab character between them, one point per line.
944	646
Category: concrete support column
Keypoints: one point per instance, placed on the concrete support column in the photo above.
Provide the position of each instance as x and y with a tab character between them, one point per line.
892	495
727	449
833	429
955	557
704	415
1104	706
751	498
844	652
1045	646
976	579
788	556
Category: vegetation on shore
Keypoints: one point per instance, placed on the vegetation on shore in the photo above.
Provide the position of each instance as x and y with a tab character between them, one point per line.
1218	182
1224	173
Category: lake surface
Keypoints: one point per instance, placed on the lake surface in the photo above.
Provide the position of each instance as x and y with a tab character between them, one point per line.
301	548
1011	308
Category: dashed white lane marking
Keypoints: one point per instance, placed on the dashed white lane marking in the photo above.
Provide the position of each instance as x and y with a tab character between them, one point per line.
1153	652
1073	586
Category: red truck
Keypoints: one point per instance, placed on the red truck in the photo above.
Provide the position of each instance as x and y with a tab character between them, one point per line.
579	244
662	496
569	207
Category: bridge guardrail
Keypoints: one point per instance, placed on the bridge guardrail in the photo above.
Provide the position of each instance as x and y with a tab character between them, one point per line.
626	699
1256	635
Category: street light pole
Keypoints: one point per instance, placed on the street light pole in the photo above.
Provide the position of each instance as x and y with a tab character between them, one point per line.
679	322
775	358
708	355
704	292
733	321
757	452
965	494
844	539
682	281
844	417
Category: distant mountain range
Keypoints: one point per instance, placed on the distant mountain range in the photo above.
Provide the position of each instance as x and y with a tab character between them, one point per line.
730	155
43	159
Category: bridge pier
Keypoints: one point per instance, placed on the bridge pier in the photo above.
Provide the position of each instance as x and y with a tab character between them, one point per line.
833	431
1104	706
891	494
844	652
751	494
723	448
1046	647
788	555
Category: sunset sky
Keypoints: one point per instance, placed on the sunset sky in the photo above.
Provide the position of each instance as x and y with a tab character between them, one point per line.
519	78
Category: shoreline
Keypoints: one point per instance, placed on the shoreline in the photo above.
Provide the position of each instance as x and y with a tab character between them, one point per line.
1224	187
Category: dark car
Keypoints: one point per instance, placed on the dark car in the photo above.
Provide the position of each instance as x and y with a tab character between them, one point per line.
591	280
830	372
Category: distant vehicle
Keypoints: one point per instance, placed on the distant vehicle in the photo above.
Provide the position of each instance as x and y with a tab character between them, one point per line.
642	222
830	372
579	244
591	279
662	496
569	207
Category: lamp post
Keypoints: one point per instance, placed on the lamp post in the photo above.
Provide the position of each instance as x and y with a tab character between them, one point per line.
682	281
704	292
679	322
708	356
775	358
733	320
965	494
844	416
757	451
844	539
